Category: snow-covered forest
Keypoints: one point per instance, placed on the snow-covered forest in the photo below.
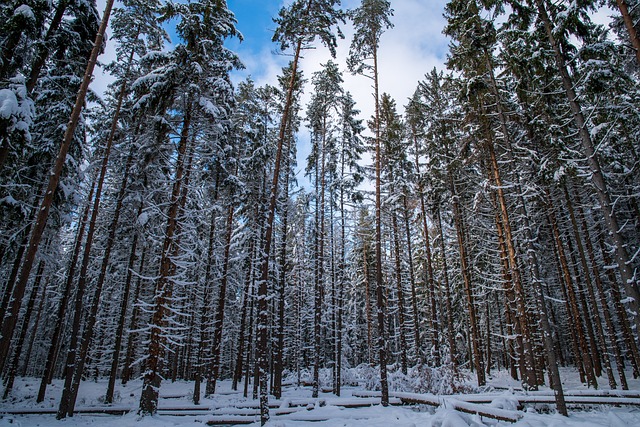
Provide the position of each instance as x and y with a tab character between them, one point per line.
473	248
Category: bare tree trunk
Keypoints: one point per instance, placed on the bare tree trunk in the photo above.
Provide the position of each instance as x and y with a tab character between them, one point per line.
380	300
34	333
276	384
263	288
42	214
623	320
69	393
243	319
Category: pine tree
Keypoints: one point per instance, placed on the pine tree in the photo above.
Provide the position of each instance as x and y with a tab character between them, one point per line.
370	20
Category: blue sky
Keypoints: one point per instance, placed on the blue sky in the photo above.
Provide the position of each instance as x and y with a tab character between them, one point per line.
407	52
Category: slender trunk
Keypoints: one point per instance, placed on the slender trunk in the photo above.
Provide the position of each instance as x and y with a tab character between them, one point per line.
400	294
623	320
513	327
43	47
243	319
573	334
473	319
380	300
629	281
126	369
631	29
34	333
11	280
575	313
611	331
414	296
69	393
448	301
222	298
121	318
367	297
42	214
604	351
17	355
263	288
521	297
341	284
164	285
276	384
62	307
319	265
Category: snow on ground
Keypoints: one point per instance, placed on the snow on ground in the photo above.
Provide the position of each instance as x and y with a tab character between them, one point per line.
324	412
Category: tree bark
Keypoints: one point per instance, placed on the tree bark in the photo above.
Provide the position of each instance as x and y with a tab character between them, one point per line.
473	319
631	29
164	285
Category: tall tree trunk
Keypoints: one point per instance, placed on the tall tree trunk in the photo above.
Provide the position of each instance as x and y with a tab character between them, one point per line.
319	265
164	285
611	331
575	312
263	288
218	325
380	300
66	294
521	297
604	351
42	214
414	297
128	359
243	318
473	319
34	333
276	384
69	393
367	292
623	320
17	354
629	25
447	289
115	358
400	294
206	299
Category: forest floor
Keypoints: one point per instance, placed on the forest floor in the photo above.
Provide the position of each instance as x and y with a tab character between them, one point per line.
356	407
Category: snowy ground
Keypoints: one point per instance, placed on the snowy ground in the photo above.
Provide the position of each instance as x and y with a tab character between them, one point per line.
226	402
